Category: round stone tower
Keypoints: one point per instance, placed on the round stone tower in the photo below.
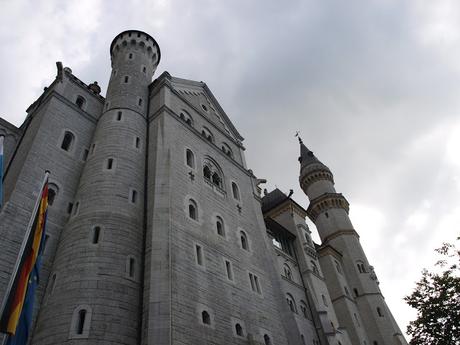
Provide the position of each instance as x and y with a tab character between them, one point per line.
94	294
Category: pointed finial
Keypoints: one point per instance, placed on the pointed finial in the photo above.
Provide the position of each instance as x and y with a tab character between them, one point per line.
297	134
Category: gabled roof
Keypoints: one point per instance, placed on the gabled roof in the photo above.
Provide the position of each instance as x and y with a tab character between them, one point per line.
198	94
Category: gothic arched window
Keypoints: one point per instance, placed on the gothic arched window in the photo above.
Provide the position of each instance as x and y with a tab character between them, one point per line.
287	271
207	134
244	240
267	340
212	173
192	209
205	317
291	303
220	226
190	158
235	191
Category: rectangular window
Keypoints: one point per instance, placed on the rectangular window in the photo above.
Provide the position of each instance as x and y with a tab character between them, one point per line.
119	116
199	255
229	270
140	101
110	164
131	267
126	79
138	142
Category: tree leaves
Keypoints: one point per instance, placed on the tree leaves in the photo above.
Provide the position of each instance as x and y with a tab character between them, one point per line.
437	301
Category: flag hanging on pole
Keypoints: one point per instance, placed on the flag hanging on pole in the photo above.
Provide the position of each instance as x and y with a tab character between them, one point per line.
17	308
1	170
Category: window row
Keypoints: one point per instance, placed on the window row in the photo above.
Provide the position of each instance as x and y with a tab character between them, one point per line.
206	133
253	279
206	319
69	139
212	173
218	224
133	198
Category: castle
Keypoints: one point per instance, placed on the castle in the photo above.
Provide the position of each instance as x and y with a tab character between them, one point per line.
158	233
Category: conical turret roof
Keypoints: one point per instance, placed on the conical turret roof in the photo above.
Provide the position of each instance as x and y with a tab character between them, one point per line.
306	155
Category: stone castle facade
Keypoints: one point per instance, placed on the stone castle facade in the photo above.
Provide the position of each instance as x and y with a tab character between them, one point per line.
157	232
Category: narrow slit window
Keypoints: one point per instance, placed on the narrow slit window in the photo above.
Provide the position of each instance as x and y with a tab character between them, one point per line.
139	102
138	142
133	196
85	155
69	208
109	165
228	268
126	79
199	255
119	114
131	267
235	191
267	340
96	235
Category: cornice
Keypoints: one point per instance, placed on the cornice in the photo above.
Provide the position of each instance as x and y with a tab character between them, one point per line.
326	202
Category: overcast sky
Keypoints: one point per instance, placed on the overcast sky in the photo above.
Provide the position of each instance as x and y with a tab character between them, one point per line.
373	87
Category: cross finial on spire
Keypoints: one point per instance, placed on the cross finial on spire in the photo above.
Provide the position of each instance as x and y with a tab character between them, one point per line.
297	134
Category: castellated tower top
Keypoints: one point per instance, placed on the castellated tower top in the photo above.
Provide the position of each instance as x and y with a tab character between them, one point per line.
135	39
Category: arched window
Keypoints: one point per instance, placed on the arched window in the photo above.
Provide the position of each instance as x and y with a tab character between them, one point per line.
205	317
95	235
216	179
267	340
207	134
207	172
303	309
239	330
287	271
81	320
244	240
185	116
212	173
192	209
67	141
52	193
291	303
227	150
80	102
220	226
190	158
235	191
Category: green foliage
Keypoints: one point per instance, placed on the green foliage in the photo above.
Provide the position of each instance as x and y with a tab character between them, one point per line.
437	301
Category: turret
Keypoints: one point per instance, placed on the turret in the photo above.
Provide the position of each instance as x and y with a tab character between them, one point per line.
97	275
365	306
317	182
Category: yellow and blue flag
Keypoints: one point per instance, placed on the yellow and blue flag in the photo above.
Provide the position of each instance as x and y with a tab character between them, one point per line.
17	313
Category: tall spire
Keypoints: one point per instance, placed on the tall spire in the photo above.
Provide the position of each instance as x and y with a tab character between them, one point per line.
306	156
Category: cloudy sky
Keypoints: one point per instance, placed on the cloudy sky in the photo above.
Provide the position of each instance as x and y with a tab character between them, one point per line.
373	87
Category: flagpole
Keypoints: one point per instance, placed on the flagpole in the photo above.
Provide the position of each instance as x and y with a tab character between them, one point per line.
23	245
2	137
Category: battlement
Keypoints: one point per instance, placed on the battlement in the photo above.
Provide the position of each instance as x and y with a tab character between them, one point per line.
136	40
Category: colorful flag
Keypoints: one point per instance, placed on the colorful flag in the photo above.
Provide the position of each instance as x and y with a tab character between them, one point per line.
1	170
17	311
